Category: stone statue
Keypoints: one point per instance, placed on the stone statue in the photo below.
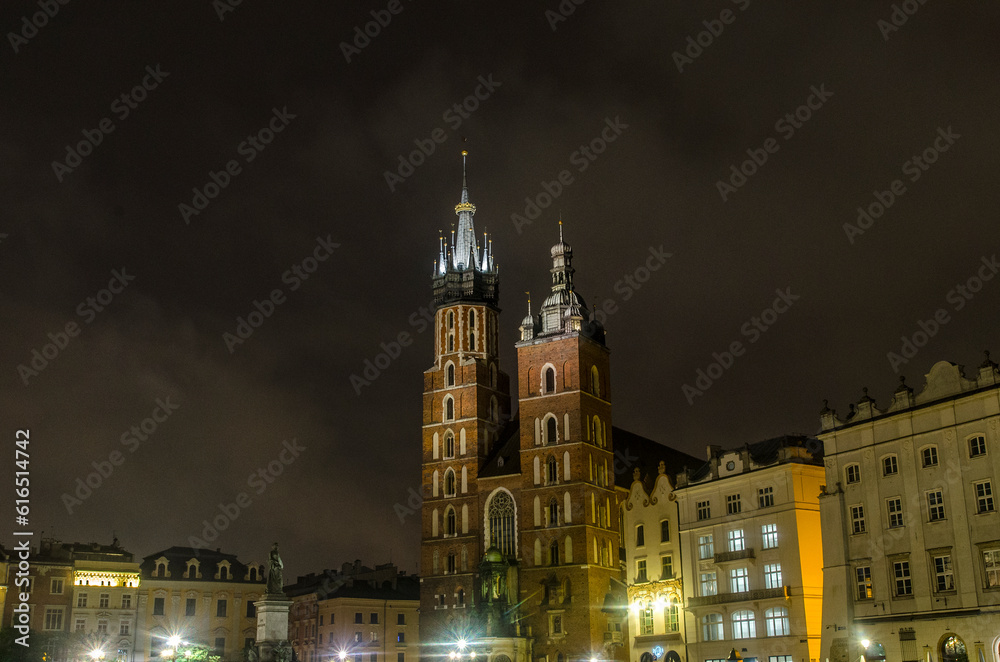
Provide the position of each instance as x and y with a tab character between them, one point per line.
274	580
250	654
282	653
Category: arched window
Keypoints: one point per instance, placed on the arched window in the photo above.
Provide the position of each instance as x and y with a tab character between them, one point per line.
953	650
500	517
449	444
472	319
553	512
450	370
551	430
596	432
460	597
551	471
161	570
472	330
450	522
711	626
595	381
223	572
852	473
451	319
192	572
550	380
776	621
744	625
554	553
449	408
449	483
253	574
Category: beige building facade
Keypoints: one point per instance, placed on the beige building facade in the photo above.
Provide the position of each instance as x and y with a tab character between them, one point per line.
912	542
751	553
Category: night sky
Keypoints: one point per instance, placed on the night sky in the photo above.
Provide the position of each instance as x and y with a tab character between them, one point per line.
670	119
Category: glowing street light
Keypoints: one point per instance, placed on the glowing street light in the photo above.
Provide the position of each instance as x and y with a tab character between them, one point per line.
97	654
866	643
342	655
174	641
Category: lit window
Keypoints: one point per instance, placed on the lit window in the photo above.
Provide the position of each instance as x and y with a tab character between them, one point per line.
890	465
640	570
704	510
736	540
863	575
984	497
666	567
744	625
935	506
733	506
712	627
772	575
647	620
765	497
671	616
991	564
708	584
739	580
769	534
858	519
929	456
943	574
977	446
706	549
901	573
853	473
894	508
776	622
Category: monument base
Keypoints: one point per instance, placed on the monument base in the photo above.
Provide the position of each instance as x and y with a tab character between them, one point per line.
272	628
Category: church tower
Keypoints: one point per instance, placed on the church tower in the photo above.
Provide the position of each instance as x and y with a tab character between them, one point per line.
568	520
465	404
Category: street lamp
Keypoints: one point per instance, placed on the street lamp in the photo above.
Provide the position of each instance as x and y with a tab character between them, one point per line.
97	654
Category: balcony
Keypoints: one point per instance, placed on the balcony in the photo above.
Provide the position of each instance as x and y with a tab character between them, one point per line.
613	638
743	596
723	557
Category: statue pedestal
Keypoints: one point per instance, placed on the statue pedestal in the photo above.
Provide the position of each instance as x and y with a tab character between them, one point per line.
272	627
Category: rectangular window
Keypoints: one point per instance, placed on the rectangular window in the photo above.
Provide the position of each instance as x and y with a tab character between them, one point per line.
220	609
739	580
158	606
858	519
977	446
935	505
708	584
81	601
733	506
772	575
769	533
373	618
57	587
890	465
320	616
647	621
765	497
104	601
640	570
901	573
736	540
81	625
400	637
556	624
944	576
706	549
853	473
779	658
665	531
190	606
704	510
984	497
666	567
127	601
863	574
991	564
640	536
357	638
400	657
894	509
220	645
102	626
124	628
358	618
671	618
53	618
252	611
400	619
929	456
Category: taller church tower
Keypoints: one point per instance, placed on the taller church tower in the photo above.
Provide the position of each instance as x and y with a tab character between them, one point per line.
466	399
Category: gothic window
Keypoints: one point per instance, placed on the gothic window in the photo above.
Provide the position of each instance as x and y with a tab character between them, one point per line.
449	444
450	526
551	430
551	471
494	410
472	330
450	370
550	380
595	381
451	320
449	483
553	513
554	553
500	516
449	409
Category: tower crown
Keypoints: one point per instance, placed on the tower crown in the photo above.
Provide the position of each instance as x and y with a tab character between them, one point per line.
465	271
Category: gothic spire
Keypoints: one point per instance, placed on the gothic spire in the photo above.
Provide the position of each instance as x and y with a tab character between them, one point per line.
465	247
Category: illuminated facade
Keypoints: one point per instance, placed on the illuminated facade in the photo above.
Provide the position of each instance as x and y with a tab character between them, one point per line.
912	532
105	599
203	596
751	552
